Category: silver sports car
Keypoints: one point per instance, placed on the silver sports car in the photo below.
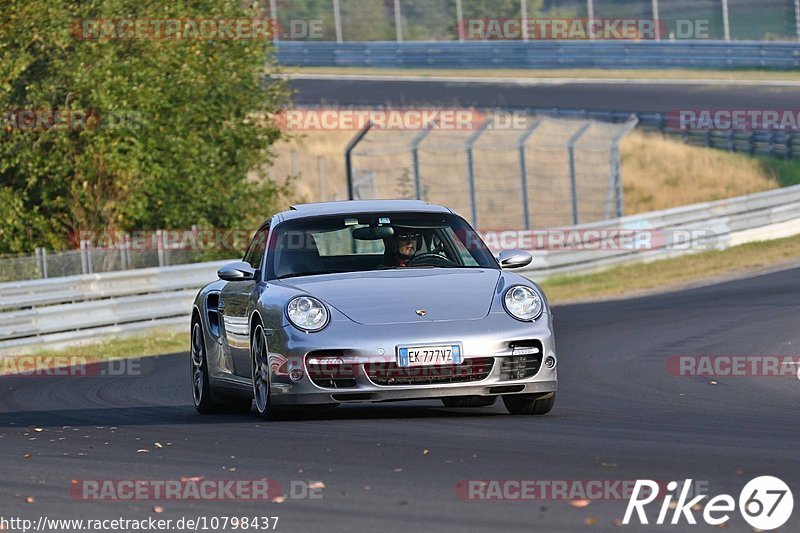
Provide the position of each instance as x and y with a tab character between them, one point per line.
371	301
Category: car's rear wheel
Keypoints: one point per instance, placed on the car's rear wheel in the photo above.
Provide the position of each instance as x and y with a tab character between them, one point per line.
530	404
469	401
204	401
261	371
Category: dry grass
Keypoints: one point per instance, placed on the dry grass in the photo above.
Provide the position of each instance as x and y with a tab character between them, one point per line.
657	172
676	273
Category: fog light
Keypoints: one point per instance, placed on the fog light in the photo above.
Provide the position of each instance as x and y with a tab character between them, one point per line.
550	362
296	374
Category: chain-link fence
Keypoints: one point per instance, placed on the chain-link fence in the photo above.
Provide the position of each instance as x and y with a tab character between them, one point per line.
438	20
140	250
547	173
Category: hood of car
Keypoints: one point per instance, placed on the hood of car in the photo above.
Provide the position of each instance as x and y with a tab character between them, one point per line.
405	295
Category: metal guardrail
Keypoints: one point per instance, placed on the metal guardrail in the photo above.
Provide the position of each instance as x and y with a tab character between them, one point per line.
54	312
543	54
673	232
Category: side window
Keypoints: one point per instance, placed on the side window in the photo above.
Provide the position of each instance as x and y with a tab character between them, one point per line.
255	253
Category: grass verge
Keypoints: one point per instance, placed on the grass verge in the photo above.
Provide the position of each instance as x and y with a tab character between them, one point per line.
676	273
645	74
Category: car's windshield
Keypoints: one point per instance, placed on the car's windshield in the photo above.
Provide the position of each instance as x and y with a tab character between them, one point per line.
357	243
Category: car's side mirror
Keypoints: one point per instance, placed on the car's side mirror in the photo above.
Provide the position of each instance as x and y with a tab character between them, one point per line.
238	271
514	258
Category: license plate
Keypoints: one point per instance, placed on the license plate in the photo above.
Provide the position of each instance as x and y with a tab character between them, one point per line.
448	354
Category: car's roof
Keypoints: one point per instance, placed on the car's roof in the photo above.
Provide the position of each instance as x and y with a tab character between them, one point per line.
360	206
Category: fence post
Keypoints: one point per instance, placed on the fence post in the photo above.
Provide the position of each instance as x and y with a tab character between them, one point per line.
473	200
726	25
415	159
162	260
337	20
125	253
797	18
293	160
523	11
656	20
572	178
86	257
398	21
460	20
321	174
273	12
616	166
348	157
523	171
41	259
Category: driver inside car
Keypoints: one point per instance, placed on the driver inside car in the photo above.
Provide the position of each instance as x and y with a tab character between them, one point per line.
401	247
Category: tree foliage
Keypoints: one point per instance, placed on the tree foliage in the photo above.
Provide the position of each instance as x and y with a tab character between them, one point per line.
195	122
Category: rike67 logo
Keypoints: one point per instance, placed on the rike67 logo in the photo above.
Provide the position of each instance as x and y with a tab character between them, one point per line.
765	503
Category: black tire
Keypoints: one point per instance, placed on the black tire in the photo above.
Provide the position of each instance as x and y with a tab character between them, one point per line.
529	404
260	374
453	402
204	401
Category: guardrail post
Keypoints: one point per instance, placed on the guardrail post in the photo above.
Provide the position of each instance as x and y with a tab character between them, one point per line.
473	200
348	158
572	178
415	159
523	171
86	257
41	260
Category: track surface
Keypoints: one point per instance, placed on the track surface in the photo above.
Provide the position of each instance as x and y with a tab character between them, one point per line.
619	415
622	96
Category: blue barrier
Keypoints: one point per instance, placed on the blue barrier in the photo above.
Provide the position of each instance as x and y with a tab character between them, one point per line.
542	54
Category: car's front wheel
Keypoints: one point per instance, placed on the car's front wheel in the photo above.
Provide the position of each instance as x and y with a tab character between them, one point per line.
261	371
204	401
530	404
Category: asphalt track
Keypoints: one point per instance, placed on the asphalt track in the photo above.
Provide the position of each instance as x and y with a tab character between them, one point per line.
620	416
602	96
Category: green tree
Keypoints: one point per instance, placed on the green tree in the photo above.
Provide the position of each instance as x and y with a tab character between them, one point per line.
197	123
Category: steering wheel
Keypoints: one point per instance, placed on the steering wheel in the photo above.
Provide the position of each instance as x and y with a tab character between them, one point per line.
430	259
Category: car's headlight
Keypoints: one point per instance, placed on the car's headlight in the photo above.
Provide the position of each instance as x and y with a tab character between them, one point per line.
307	313
523	303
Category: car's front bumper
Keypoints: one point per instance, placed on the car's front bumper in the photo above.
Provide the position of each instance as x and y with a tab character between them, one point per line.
356	345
